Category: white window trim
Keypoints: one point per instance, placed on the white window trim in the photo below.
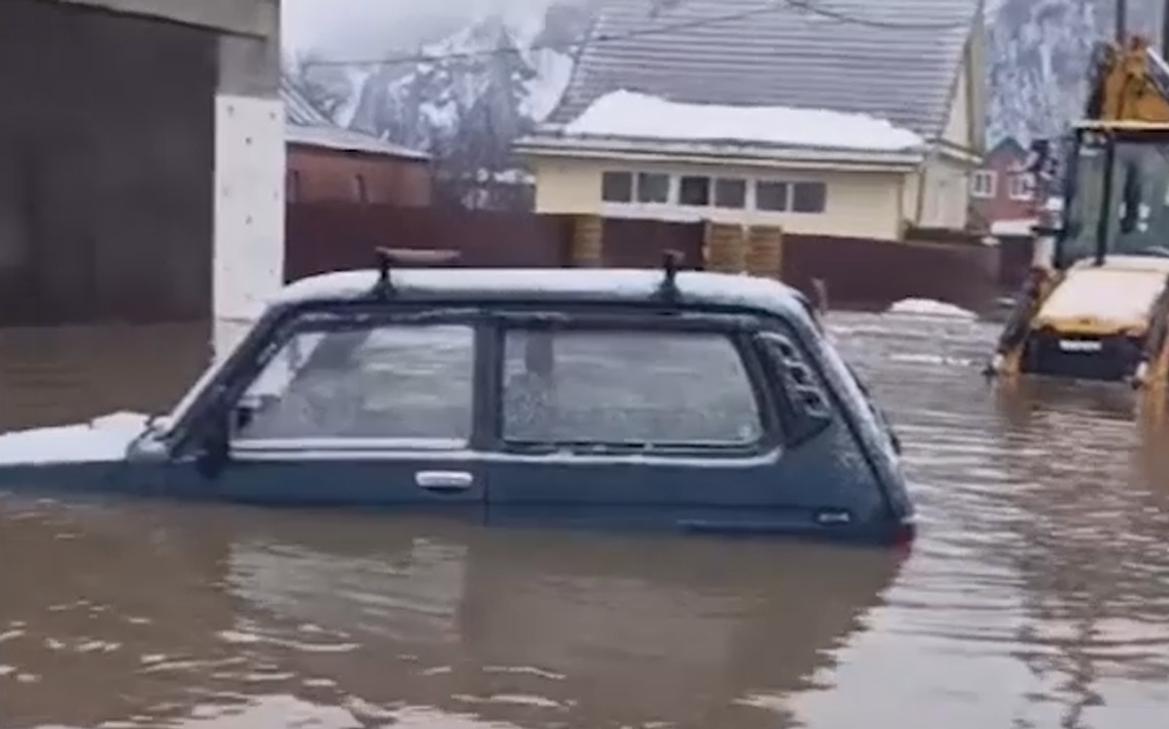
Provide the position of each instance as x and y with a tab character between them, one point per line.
1022	187
674	209
992	178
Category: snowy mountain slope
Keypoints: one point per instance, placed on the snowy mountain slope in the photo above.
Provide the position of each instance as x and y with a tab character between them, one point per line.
494	79
1039	53
487	84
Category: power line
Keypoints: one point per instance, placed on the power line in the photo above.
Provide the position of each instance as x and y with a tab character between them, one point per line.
843	17
600	38
801	5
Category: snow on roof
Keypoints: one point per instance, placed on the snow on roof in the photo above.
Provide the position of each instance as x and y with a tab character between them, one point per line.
1015	228
625	114
784	54
330	137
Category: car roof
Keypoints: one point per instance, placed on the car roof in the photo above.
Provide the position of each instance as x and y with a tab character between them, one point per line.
556	285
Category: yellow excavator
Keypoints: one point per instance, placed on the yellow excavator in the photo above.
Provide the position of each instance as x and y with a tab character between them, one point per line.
1096	302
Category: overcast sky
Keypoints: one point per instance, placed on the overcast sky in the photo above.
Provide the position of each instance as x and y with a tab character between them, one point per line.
363	28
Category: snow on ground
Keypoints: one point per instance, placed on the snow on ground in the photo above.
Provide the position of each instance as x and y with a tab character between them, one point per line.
102	440
633	115
929	307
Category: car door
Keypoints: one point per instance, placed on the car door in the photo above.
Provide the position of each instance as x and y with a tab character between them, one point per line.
683	422
357	407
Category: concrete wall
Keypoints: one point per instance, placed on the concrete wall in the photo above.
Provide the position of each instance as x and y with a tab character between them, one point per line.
325	175
241	17
109	176
106	143
946	196
859	204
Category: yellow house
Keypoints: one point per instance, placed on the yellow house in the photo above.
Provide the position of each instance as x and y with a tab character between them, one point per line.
864	121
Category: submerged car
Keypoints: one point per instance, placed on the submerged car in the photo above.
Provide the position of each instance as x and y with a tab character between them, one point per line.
643	399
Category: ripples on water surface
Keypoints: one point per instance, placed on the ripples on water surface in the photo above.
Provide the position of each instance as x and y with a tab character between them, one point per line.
1037	595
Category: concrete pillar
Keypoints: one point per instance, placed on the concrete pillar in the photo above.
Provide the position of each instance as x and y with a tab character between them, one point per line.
588	242
248	265
765	251
725	249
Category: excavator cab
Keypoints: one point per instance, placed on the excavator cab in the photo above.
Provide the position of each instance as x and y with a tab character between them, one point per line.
1096	303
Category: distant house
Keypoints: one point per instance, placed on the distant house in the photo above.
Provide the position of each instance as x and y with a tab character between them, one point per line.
735	110
1002	190
327	163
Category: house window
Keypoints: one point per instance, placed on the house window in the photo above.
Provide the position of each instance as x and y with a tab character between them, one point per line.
809	197
653	188
360	191
772	196
730	193
984	183
694	191
617	187
1022	187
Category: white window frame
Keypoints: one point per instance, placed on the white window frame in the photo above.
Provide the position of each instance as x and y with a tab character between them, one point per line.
987	191
1022	187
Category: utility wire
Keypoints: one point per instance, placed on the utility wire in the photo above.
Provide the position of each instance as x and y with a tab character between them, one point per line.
843	17
800	5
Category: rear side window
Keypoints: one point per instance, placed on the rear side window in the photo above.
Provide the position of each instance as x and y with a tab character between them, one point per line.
805	408
384	383
627	388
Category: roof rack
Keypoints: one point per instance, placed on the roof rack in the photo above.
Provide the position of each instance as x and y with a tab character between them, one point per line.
390	258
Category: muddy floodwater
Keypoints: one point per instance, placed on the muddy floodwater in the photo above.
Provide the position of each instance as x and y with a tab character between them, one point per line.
1036	596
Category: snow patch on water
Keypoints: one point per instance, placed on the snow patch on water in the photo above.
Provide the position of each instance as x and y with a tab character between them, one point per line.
99	441
929	307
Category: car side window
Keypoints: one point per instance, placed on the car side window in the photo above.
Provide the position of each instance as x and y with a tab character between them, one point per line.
638	389
374	383
806	410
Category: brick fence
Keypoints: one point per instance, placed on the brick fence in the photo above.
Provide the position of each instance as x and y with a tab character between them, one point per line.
858	272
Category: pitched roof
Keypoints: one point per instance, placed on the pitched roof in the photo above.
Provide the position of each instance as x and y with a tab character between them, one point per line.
297	109
1007	145
695	51
307	126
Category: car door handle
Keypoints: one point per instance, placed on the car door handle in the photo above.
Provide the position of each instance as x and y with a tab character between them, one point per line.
444	481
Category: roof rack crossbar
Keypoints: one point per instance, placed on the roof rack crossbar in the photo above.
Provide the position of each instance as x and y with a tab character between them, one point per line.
390	258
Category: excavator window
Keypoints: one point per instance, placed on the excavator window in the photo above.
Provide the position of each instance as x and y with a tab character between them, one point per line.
1138	213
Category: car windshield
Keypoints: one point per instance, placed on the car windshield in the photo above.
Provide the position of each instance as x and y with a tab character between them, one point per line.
1139	209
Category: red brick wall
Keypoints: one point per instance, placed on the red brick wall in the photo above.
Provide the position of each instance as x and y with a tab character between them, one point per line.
325	175
1004	162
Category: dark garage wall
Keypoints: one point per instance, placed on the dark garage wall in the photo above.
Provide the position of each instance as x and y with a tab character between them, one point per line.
106	166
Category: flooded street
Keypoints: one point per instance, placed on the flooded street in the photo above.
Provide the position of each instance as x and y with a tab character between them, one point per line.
1036	596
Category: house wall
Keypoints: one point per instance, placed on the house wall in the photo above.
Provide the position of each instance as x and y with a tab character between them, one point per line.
326	175
946	193
859	204
1003	163
958	131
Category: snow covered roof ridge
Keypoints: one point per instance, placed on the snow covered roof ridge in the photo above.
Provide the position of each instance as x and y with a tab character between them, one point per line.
630	115
742	52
